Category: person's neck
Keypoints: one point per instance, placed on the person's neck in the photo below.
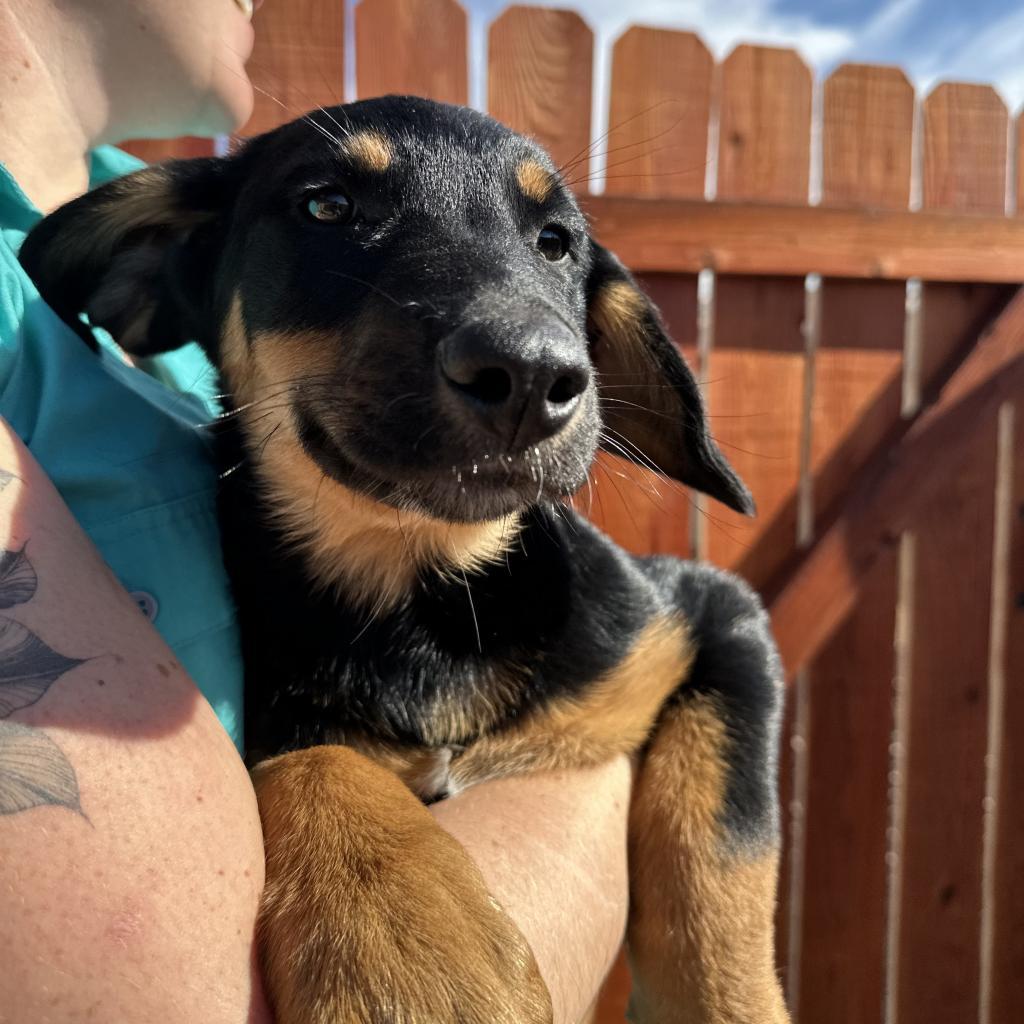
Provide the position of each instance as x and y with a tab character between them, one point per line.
44	137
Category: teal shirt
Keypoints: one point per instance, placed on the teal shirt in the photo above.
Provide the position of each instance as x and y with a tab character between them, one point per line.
128	453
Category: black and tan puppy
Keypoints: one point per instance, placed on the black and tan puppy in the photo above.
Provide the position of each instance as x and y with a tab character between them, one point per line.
424	348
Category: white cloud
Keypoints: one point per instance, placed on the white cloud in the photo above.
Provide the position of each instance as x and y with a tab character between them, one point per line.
993	54
888	22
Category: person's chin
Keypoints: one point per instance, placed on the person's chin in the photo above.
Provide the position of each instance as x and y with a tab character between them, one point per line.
229	105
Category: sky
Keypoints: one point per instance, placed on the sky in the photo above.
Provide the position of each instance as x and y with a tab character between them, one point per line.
932	40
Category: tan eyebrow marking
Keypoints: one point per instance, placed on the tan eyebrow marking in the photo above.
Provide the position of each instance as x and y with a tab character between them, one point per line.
369	149
535	180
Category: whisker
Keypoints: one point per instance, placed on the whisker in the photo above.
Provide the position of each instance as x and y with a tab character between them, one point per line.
405	397
589	150
410	303
648	488
689	169
625	504
472	608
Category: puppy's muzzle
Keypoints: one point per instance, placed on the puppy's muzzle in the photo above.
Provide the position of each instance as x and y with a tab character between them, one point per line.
518	386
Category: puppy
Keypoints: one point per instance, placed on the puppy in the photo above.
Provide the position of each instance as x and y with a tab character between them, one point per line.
424	349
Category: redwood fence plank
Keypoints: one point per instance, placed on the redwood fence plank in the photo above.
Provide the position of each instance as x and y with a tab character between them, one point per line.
764	128
412	46
657	144
844	902
756	369
539	81
868	117
964	168
939	952
153	151
758	238
1007	994
868	125
755	374
1019	140
298	62
965	131
659	113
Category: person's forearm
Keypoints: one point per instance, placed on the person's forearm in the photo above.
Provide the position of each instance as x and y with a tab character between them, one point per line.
555	858
130	847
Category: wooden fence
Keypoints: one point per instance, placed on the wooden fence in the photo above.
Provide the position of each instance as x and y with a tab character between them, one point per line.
879	425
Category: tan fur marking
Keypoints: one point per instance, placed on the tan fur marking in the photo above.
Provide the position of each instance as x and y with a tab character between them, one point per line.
145	199
614	716
716	902
370	550
370	150
372	912
535	181
618	308
624	361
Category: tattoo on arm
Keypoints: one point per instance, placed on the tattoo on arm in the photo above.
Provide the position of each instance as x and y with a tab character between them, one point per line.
33	770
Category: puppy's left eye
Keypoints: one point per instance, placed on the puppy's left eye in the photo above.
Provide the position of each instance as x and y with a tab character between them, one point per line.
331	208
553	242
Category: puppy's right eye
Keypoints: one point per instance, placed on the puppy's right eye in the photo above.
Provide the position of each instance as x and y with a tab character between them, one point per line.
330	208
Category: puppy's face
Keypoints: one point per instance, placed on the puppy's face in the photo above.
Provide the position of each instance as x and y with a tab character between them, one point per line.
411	289
422	284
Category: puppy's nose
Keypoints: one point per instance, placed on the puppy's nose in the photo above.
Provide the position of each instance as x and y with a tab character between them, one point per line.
521	386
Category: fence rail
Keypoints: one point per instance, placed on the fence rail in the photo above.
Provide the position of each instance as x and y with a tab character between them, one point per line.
902	891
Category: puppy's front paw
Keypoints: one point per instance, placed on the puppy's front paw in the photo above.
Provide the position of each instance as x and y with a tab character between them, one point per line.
372	913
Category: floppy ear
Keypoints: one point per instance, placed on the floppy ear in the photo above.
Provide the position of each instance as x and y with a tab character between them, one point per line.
135	254
650	400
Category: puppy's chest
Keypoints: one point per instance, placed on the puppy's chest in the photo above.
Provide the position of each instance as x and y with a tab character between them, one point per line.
449	666
409	691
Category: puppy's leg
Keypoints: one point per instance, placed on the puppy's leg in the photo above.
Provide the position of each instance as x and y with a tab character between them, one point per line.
372	913
704	824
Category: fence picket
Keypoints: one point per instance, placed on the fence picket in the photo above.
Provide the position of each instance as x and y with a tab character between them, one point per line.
844	901
1007	993
1018	138
755	372
153	151
539	82
657	141
965	149
298	62
756	369
868	118
412	46
939	955
659	114
657	146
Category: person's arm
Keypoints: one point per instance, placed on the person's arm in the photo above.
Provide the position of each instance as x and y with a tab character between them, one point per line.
131	857
552	849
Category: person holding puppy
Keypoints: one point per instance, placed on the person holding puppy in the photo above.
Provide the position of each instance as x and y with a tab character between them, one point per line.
130	842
